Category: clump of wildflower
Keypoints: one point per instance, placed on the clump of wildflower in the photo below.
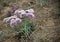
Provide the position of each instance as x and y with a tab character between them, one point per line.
18	15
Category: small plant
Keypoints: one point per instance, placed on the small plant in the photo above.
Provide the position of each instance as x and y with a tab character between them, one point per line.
20	21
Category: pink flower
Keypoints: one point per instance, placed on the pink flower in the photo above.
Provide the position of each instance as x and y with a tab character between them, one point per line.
15	22
30	15
18	20
20	13
12	23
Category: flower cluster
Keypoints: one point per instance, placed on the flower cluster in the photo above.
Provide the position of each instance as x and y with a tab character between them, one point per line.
18	15
13	20
9	18
22	13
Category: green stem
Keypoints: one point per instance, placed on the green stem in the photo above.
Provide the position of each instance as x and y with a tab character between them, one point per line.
25	26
